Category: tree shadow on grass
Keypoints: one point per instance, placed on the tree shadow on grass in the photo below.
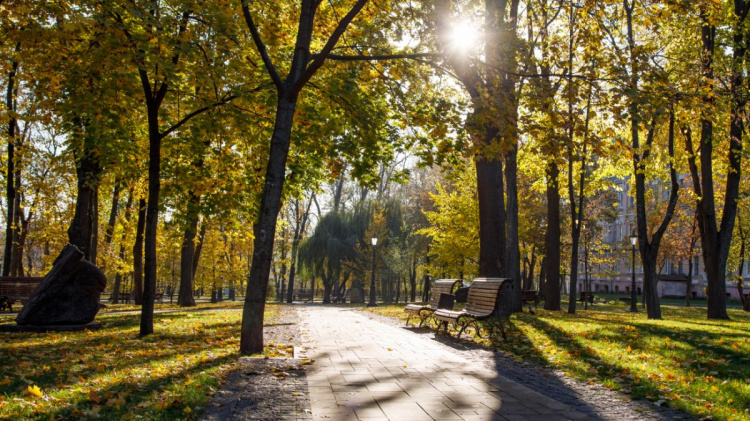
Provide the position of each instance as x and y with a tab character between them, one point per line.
114	362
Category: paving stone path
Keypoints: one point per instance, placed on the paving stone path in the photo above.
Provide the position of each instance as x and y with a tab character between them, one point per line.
367	368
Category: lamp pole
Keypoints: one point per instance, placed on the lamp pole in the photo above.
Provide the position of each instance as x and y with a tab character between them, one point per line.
372	302
633	297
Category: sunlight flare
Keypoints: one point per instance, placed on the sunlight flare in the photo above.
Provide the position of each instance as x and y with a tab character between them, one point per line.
464	36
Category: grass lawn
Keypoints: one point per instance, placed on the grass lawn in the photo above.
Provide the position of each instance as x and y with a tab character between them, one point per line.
112	374
696	365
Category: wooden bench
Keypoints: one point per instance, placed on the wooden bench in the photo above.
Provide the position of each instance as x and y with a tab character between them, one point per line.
16	288
122	297
530	296
481	304
126	296
303	295
587	296
441	286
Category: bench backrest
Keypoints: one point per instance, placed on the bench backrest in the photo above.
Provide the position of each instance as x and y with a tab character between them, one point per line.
483	294
440	286
17	287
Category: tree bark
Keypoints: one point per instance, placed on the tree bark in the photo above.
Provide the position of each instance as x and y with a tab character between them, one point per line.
513	248
10	186
108	233
490	196
187	252
19	231
691	253
138	252
81	230
552	239
298	232
257	282
152	218
115	297
94	253
199	247
413	281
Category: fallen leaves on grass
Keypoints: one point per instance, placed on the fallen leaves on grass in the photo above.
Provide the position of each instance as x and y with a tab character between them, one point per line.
111	373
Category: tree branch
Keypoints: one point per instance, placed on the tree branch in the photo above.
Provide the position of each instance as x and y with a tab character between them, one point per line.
195	113
334	38
379	57
261	46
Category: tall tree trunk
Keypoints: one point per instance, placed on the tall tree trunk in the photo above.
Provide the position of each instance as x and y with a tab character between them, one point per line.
16	255
199	246
187	253
94	253
257	282
691	253
302	68
576	212
115	298
138	252
715	239
552	239
10	186
648	247
413	280
490	195
81	230
740	265
513	249
108	233
19	245
299	230
152	219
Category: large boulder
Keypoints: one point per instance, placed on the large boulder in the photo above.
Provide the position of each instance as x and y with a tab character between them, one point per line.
68	294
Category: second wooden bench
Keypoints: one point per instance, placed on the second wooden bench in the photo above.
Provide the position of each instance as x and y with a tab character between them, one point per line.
441	286
481	304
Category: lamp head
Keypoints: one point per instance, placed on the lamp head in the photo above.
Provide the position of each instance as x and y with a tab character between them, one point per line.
374	241
633	239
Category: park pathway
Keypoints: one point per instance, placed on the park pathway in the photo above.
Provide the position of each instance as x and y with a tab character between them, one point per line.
365	369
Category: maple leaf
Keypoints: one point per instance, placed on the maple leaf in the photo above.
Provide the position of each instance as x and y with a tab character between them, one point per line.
35	390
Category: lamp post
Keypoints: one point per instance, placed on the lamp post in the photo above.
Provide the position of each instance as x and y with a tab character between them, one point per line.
633	304
372	302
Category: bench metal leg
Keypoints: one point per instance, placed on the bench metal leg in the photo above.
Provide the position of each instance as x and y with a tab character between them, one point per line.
464	325
423	319
443	324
